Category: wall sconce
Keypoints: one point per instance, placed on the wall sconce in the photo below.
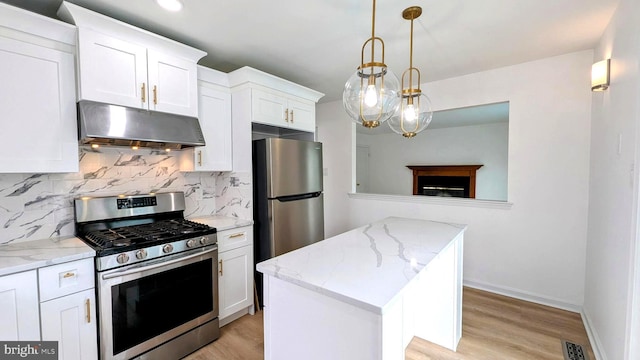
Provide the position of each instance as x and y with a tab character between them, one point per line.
600	75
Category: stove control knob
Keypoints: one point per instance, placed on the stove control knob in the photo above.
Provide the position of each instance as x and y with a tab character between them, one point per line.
191	243
122	258
141	254
167	248
203	240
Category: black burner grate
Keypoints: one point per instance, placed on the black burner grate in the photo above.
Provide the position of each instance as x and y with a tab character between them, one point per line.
156	232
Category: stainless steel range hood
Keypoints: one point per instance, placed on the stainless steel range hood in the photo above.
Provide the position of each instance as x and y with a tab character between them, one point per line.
105	124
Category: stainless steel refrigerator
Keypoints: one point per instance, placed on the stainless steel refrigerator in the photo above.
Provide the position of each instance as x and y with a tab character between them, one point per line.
288	205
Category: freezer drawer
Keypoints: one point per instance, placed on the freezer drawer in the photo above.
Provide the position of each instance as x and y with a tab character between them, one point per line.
295	224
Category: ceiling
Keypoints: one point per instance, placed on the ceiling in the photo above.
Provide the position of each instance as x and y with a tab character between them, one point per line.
317	43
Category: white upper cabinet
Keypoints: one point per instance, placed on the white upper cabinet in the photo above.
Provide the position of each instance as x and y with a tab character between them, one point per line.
275	101
214	103
124	65
38	91
113	71
278	109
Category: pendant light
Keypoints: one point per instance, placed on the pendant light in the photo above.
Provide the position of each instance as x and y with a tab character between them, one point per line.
414	113
371	95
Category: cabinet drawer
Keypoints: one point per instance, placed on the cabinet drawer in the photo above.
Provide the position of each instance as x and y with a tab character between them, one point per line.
235	238
64	279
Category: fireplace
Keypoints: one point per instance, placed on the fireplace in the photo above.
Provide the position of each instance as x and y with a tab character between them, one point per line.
445	180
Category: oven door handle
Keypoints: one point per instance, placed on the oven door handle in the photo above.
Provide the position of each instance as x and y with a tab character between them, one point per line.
155	266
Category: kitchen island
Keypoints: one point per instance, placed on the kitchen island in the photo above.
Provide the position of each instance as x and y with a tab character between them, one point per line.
365	293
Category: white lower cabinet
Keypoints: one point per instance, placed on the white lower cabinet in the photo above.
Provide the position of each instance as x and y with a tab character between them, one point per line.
19	307
68	309
235	273
71	320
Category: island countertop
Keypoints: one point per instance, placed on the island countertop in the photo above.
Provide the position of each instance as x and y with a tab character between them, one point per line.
369	266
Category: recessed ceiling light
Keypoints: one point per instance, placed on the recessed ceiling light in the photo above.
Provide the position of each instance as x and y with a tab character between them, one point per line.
171	5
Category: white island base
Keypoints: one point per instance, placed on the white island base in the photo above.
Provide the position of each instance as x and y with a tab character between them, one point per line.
366	293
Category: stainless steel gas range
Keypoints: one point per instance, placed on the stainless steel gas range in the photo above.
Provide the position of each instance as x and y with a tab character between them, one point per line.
156	275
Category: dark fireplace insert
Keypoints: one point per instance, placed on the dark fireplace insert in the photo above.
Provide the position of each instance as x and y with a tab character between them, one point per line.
445	180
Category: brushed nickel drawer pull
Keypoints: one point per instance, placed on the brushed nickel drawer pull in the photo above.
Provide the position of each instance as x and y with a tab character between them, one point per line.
236	235
68	275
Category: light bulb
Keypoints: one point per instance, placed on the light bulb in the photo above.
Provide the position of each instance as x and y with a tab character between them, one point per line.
410	113
370	96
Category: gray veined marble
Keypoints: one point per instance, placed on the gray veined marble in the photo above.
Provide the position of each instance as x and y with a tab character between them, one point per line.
40	206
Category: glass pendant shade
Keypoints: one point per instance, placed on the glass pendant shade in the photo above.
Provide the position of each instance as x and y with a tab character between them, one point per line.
413	115
371	95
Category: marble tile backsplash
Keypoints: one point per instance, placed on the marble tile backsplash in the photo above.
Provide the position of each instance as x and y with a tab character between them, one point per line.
37	206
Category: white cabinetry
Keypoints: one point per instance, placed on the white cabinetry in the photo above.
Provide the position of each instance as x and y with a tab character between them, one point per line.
67	309
214	114
261	98
123	65
279	109
19	307
38	108
235	273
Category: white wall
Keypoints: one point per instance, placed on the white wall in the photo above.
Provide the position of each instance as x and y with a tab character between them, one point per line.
485	145
337	136
614	187
537	248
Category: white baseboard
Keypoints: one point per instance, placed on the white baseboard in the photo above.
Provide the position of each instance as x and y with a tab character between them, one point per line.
596	345
518	294
542	300
235	316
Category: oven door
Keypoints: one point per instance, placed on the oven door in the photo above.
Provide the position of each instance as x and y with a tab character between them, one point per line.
144	305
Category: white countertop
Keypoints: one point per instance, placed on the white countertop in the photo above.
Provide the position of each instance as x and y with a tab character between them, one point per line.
222	223
31	255
369	266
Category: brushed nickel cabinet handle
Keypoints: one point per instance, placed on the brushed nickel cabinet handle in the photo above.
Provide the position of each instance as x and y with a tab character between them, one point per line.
286	115
144	92
236	235
68	275
200	157
87	304
220	271
291	115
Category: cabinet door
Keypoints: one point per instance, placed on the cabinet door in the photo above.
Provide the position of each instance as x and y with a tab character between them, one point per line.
19	307
268	108
38	109
235	277
71	320
173	86
111	70
302	116
215	120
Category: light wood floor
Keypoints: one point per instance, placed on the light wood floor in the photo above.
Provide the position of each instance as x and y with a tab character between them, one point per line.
493	327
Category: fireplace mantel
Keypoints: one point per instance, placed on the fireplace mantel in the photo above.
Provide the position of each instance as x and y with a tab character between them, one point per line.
445	170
